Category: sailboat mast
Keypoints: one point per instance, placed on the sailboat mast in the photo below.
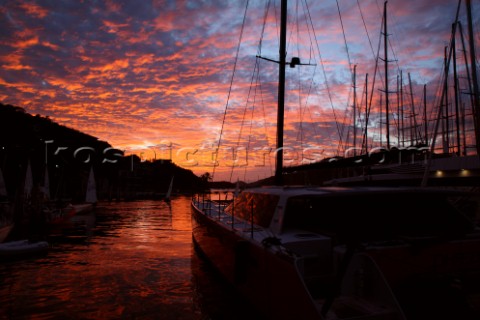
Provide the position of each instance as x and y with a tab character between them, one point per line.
399	129
425	113
367	113
476	98
354	110
414	115
446	131
402	114
281	93
386	74
455	87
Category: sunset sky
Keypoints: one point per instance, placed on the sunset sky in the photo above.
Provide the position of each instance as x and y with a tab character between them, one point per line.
153	77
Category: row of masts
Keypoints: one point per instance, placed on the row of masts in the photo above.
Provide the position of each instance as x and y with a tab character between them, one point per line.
417	137
451	115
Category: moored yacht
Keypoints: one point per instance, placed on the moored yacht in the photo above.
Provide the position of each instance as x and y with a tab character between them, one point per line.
345	253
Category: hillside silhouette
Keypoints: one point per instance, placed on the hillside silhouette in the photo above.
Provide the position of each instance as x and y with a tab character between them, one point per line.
69	154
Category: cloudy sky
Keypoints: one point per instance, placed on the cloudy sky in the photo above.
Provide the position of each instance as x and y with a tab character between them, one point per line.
155	77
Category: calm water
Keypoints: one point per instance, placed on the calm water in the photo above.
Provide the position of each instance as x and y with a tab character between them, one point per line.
129	260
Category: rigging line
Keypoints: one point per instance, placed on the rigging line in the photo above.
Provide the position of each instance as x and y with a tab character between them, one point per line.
304	4
314	131
300	87
230	88
262	102
375	57
291	29
256	69
390	44
251	125
276	20
367	117
439	98
435	132
300	113
312	82
415	111
412	95
268	149
325	76
265	17
344	143
366	29
361	117
299	82
344	147
341	145
243	118
308	110
345	39
396	60
436	125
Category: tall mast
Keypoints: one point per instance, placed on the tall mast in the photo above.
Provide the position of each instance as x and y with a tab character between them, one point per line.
446	131
367	113
354	109
414	116
281	93
402	114
385	34
476	98
425	113
455	87
465	58
398	110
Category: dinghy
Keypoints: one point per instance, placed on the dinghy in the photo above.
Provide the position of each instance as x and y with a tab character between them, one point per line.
22	249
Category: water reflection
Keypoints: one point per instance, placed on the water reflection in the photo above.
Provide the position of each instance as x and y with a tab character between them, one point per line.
132	260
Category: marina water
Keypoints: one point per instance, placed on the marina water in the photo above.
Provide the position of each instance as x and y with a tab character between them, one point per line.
127	260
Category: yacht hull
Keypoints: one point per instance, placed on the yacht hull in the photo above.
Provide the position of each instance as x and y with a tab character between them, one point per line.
268	279
369	268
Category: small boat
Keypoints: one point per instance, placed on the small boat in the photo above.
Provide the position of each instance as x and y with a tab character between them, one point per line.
82	208
63	213
59	214
22	249
90	196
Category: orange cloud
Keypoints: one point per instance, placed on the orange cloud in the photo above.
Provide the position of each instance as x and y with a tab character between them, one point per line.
22	44
137	75
34	10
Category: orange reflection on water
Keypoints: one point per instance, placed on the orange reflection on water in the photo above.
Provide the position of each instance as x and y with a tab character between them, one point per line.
136	265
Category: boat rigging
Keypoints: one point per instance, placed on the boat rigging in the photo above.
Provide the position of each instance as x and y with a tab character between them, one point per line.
342	253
